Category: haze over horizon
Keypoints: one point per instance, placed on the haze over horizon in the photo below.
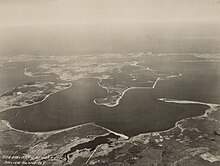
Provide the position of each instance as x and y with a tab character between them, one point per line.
65	27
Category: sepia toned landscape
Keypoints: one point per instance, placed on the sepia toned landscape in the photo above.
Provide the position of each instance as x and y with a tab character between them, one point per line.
110	83
192	136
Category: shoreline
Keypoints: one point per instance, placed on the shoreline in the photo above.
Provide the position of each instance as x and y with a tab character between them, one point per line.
120	94
46	132
63	130
212	106
119	134
31	75
16	107
167	100
210	109
123	93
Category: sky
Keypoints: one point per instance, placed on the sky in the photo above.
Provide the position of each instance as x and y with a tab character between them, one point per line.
25	12
91	24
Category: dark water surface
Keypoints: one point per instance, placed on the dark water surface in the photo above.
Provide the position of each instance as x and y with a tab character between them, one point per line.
12	75
139	110
92	145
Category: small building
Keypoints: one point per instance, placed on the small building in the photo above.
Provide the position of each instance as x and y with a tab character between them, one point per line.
17	93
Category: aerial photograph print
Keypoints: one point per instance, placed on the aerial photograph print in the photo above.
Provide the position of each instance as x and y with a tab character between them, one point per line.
109	82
